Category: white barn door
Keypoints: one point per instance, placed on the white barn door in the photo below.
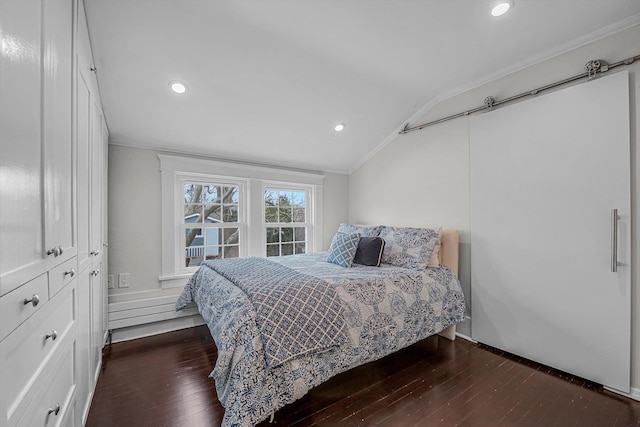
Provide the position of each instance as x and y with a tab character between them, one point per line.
545	176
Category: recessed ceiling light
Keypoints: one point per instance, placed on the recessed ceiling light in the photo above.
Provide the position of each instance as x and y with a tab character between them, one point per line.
501	7
178	87
339	127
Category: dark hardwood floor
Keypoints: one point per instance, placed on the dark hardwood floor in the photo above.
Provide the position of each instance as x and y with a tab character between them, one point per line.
163	381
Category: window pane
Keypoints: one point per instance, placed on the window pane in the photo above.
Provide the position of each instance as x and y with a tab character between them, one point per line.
194	249
231	236
210	194
270	198
287	234
287	249
193	237
211	236
298	214
284	198
284	215
192	192
298	198
193	260
300	248
230	195
212	252
230	213
273	250
231	251
212	213
192	213
273	235
270	215
300	234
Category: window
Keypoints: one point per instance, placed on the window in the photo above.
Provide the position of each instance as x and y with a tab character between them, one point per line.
211	221
213	209
285	217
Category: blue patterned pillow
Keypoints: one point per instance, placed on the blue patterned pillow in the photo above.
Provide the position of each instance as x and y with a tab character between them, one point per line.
409	247
343	249
362	230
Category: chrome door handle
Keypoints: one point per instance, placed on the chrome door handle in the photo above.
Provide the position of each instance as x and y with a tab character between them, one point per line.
95	272
55	410
614	240
94	253
35	299
53	335
71	273
56	252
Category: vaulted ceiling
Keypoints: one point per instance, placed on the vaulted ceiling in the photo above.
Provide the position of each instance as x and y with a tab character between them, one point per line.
268	80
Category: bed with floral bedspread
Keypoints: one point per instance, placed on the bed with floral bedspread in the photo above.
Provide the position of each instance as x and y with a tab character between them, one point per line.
383	309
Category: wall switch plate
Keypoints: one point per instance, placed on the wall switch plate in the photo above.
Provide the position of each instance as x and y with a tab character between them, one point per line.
124	280
110	284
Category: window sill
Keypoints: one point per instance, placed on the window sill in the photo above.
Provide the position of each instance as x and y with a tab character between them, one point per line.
174	281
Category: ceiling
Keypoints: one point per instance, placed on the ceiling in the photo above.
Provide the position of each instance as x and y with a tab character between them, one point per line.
268	79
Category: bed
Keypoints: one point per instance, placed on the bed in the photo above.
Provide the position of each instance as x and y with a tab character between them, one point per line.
348	316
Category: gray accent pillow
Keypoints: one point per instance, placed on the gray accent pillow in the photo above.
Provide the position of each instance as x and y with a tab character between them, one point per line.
369	251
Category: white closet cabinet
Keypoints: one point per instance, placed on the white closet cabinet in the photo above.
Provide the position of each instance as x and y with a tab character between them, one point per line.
52	199
38	262
92	246
36	151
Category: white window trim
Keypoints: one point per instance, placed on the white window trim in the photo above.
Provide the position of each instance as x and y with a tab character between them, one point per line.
255	179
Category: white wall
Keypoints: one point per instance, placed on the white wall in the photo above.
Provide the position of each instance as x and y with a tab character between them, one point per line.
430	167
135	229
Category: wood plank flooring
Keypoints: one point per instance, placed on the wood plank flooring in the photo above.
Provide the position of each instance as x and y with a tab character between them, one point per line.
163	381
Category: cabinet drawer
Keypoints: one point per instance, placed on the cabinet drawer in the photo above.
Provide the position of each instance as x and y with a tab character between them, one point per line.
14	311
26	351
54	403
61	275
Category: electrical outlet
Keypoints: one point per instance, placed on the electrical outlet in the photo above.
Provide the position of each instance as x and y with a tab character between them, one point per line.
124	280
110	284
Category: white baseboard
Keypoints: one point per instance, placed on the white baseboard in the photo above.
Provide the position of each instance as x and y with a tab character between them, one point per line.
465	337
155	328
633	394
149	316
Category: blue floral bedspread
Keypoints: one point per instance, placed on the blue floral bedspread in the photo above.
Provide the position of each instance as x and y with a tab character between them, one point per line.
385	308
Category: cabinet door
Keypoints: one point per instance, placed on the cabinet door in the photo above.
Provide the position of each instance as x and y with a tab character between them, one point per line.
58	147
97	335
83	128
83	367
21	208
105	228
95	220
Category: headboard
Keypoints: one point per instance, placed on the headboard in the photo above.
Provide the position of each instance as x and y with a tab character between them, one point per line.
449	250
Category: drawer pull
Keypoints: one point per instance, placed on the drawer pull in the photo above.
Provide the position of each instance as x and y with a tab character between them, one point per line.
35	299
95	272
56	252
95	253
55	410
71	273
53	335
